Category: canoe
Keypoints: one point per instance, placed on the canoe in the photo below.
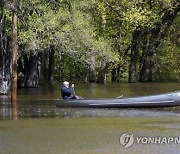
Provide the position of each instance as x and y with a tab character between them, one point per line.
161	100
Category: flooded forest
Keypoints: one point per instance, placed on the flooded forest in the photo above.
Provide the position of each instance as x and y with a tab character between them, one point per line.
91	41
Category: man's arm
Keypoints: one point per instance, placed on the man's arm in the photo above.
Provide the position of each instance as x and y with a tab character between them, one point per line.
66	91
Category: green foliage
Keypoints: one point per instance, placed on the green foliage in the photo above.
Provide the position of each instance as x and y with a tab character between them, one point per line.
6	21
88	34
168	56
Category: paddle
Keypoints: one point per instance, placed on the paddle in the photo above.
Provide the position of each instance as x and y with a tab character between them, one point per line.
119	97
74	95
73	90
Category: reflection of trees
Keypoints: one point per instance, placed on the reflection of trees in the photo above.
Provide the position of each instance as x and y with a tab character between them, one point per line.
7	110
14	111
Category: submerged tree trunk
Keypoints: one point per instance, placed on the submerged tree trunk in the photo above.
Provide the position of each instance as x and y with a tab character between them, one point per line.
148	69
5	56
5	72
43	67
92	75
51	64
21	72
115	74
86	74
101	78
32	74
14	58
134	57
33	70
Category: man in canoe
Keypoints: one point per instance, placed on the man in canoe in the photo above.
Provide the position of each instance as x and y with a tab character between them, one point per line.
68	92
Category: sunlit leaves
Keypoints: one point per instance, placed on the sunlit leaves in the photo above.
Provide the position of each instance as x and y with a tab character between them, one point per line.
90	32
169	54
140	17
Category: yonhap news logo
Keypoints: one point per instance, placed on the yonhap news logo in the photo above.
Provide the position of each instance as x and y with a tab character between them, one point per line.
127	139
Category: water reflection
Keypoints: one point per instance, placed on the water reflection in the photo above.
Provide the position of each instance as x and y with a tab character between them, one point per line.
43	128
14	111
38	103
7	109
37	109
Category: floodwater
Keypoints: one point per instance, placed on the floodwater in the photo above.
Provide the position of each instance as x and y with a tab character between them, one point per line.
35	125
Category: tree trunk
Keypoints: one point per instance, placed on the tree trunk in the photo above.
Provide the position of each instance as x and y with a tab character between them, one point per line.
21	72
92	75
148	64
102	74
5	75
51	65
115	74
34	70
85	76
5	56
148	69
14	58
134	57
32	74
42	67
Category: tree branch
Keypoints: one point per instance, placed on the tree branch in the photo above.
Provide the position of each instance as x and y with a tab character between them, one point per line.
111	7
11	7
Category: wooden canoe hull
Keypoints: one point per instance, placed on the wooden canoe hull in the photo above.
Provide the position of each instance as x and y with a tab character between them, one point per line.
163	100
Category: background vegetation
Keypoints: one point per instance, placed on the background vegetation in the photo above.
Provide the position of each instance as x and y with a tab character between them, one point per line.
91	40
